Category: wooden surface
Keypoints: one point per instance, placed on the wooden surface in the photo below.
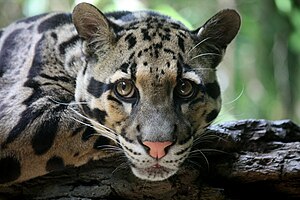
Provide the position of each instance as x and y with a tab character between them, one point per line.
248	159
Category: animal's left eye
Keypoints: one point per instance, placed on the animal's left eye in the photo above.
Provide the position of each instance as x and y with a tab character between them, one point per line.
185	89
125	89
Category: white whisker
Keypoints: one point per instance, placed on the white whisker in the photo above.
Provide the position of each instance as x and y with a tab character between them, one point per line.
123	165
206	54
112	148
201	153
199	43
93	121
102	132
207	150
239	96
194	163
67	104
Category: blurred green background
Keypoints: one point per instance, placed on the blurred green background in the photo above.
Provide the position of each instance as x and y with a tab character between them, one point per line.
259	75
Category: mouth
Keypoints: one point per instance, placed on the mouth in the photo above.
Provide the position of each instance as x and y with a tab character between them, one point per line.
155	172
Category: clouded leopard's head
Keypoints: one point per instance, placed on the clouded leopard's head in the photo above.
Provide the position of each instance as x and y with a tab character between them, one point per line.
152	81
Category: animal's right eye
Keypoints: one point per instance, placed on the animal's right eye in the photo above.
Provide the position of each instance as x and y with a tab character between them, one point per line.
185	89
125	90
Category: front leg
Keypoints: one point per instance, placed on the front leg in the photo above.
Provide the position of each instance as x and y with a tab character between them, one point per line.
49	136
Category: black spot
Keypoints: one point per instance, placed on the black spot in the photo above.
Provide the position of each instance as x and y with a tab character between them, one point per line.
76	154
139	54
31	19
169	51
167	30
26	118
131	56
181	43
55	163
124	67
145	33
145	63
54	35
10	169
54	22
67	44
99	115
156	52
158	45
213	89
166	37
77	130
89	132
168	64
211	116
101	140
97	88
10	44
131	39
87	110
44	135
36	92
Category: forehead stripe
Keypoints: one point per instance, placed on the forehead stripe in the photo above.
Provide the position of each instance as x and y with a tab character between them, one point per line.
181	43
133	71
179	70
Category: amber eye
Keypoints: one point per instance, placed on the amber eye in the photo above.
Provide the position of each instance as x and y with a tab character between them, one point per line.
125	88
185	89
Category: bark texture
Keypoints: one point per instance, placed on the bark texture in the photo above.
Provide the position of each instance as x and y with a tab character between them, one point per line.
248	159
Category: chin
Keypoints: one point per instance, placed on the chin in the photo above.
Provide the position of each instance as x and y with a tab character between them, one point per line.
154	173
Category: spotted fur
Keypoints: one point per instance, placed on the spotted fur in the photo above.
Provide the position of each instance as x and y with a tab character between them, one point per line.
60	81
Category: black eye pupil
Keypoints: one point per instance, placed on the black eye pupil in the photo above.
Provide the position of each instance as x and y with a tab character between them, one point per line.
184	88
123	85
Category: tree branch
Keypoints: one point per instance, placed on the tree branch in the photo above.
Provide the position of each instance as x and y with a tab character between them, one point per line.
245	159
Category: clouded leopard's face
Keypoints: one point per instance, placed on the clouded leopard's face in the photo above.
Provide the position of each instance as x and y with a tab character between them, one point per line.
151	81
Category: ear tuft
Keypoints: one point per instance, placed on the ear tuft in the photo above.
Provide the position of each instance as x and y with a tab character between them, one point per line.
221	28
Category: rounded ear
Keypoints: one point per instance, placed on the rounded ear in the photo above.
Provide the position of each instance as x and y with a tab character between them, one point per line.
221	28
91	24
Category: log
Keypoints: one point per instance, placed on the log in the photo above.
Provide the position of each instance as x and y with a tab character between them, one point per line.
247	159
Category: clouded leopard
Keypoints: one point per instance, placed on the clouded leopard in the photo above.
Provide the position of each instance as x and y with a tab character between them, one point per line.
71	85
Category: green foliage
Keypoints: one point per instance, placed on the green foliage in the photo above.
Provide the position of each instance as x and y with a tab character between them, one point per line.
259	74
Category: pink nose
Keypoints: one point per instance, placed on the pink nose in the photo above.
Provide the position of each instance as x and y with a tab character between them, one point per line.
157	149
